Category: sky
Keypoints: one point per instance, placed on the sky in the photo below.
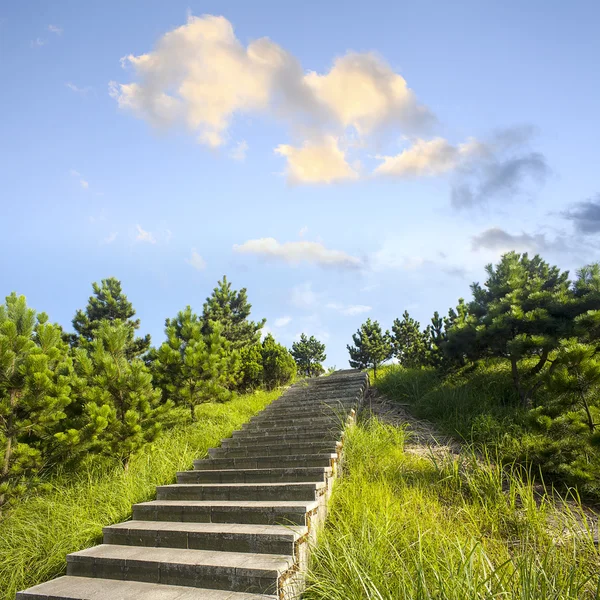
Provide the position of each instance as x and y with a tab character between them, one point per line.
340	160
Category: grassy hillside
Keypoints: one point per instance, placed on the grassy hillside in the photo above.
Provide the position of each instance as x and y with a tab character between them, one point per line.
479	405
405	526
36	536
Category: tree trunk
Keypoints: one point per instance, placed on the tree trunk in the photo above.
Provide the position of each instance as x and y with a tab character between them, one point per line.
10	439
590	421
540	365
374	370
517	381
193	412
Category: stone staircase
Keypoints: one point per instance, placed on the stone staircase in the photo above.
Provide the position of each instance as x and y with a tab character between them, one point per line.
238	526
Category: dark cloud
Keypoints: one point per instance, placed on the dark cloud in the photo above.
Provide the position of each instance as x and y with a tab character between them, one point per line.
505	169
496	238
585	215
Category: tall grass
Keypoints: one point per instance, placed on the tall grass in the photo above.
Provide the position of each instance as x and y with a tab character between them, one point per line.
36	535
402	526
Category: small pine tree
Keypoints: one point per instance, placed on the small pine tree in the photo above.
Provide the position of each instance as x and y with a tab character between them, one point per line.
231	310
309	355
575	379
108	303
410	345
371	347
251	369
118	394
279	367
193	367
35	377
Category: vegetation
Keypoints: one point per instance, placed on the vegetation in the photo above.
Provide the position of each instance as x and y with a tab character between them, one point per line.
102	393
371	347
406	526
309	355
516	369
36	535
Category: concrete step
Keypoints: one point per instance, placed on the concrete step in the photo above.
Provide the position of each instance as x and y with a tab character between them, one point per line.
340	412
261	440
268	422
267	462
79	588
255	475
224	537
233	571
306	490
292	430
277	449
227	511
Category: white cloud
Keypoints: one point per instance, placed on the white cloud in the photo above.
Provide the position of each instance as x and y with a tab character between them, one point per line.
55	29
363	92
82	182
282	321
430	158
78	90
303	231
168	235
199	76
297	252
144	236
319	161
239	151
110	238
303	296
265	331
196	261
349	310
37	43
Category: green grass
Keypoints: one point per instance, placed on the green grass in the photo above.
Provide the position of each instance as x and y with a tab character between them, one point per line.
36	535
479	406
407	527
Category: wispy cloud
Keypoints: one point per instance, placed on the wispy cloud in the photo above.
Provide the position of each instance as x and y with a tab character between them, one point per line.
303	296
239	151
196	261
78	90
297	252
82	182
144	236
37	43
55	29
282	321
349	310
109	239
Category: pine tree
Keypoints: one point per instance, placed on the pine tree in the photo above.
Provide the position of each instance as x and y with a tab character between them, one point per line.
575	379
108	303
410	345
251	367
309	355
118	394
193	367
279	367
371	347
522	311
35	377
231	310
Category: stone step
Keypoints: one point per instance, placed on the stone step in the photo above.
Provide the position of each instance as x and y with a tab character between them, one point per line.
293	430
255	475
227	511
79	588
268	422
276	450
278	438
224	537
340	412
233	571
306	490
267	462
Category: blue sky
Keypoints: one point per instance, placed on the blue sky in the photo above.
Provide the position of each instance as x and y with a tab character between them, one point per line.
341	160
